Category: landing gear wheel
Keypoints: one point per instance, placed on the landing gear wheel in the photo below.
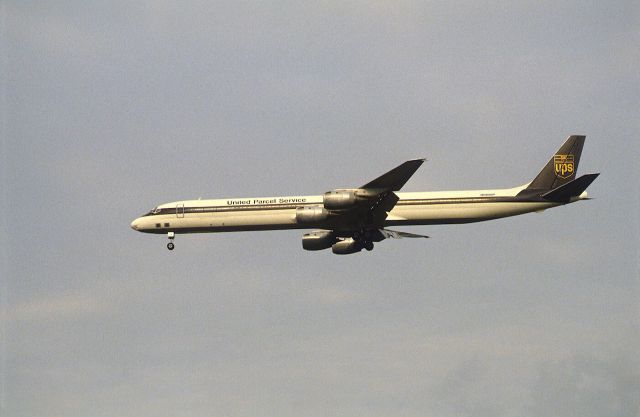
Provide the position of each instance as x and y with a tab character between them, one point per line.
368	245
171	236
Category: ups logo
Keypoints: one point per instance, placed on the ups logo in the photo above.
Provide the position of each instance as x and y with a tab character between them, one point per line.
563	165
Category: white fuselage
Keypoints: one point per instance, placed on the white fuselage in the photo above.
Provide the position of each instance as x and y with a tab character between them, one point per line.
276	213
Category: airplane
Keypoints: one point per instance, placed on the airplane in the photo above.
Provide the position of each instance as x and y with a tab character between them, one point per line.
352	219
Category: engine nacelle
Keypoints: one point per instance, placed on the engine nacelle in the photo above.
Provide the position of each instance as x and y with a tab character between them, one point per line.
339	199
346	247
311	214
318	240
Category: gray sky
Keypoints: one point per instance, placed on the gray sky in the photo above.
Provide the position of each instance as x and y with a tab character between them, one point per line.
110	108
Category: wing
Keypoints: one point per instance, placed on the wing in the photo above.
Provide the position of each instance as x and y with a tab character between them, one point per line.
395	179
384	186
387	183
399	235
376	199
343	245
357	216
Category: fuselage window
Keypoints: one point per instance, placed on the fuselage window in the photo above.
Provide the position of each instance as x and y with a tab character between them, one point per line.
166	225
157	224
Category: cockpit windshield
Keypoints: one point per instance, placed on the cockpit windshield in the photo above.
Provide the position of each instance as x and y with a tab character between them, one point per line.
154	210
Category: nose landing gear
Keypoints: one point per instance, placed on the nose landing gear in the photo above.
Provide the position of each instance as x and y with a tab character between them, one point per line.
171	236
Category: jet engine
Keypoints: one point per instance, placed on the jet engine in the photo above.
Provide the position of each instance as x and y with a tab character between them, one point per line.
311	214
346	247
339	199
318	240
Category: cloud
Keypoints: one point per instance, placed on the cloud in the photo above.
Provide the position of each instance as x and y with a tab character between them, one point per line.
68	306
588	385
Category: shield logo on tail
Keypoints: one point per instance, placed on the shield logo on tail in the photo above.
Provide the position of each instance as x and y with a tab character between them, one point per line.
563	165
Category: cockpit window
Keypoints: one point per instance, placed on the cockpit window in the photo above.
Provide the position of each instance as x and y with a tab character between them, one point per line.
155	210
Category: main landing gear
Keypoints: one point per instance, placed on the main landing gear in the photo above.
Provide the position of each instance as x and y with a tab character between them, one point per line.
364	239
171	236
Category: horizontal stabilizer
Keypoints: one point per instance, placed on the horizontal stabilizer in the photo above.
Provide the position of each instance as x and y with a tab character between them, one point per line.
395	179
571	189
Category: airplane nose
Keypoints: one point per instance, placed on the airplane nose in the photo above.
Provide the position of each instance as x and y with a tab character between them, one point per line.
134	224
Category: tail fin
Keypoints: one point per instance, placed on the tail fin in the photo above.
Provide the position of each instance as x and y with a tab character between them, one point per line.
562	166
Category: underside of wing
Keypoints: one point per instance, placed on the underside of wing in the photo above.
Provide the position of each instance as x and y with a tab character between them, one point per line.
399	235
